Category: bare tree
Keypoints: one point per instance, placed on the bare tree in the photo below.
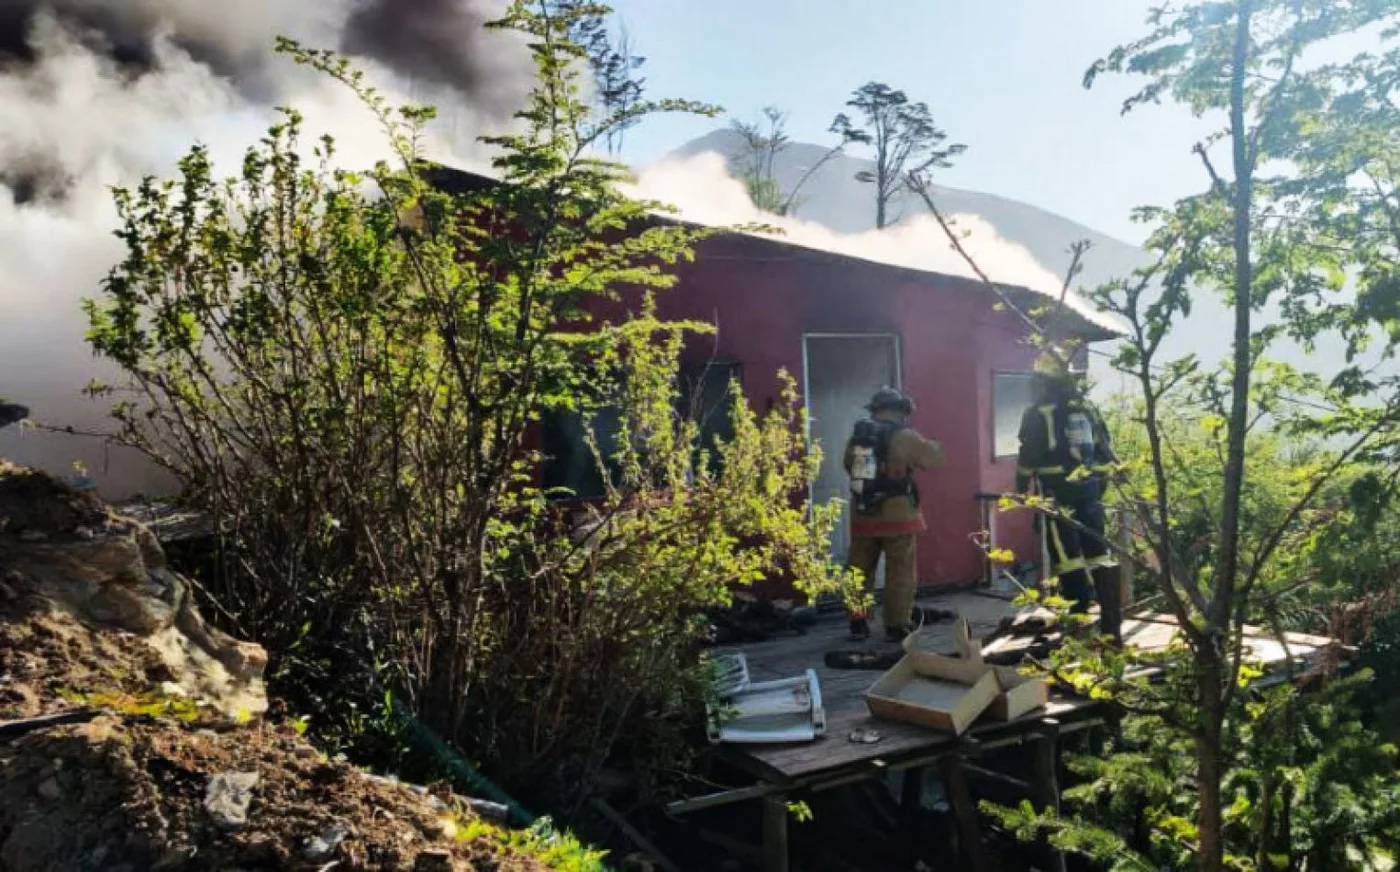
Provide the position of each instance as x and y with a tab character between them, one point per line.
906	140
756	163
618	88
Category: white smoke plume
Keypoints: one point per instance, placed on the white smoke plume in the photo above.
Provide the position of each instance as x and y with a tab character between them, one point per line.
95	93
702	188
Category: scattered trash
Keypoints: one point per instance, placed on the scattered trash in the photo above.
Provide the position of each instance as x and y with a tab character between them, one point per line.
865	736
491	811
750	619
872	660
228	798
931	615
325	844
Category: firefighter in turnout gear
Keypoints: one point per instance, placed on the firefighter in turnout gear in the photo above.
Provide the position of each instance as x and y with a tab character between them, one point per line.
1065	448
881	458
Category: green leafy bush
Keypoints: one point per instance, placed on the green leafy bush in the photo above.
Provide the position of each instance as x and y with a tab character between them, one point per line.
344	370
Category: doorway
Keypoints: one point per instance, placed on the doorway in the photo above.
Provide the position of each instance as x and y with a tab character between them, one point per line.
841	373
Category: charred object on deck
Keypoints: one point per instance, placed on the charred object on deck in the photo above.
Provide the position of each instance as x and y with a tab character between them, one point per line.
1020	637
749	619
880	661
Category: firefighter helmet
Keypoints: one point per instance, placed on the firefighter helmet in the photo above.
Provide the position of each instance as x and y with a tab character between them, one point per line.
1053	363
889	398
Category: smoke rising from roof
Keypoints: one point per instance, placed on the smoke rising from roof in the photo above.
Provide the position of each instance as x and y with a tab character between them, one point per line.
95	93
435	41
702	188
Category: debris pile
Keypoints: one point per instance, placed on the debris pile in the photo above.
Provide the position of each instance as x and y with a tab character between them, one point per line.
132	736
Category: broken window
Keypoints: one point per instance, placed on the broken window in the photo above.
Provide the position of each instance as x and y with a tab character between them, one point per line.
1011	396
569	462
705	397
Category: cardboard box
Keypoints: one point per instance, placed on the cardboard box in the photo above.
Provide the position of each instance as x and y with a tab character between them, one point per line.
1018	694
950	693
933	690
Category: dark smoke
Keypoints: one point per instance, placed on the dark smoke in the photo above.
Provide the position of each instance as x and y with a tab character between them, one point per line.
438	43
37	179
125	31
433	41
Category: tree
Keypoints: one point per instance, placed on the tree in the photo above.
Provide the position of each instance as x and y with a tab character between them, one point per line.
902	133
1303	202
343	369
614	65
756	162
1241	59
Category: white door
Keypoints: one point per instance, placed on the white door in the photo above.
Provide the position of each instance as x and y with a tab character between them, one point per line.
842	373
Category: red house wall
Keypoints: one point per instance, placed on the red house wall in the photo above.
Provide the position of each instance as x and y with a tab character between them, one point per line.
763	298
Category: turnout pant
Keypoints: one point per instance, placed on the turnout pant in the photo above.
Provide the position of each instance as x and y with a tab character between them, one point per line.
900	556
1078	549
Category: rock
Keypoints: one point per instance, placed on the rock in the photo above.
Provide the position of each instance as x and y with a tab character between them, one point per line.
433	860
110	572
50	790
228	798
491	811
325	844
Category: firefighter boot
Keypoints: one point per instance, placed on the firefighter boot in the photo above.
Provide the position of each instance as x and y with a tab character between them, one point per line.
898	634
1109	592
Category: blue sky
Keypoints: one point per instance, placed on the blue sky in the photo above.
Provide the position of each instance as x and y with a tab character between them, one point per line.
1002	76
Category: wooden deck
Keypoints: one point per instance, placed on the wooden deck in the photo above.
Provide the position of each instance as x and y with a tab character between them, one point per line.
843	690
843	697
835	760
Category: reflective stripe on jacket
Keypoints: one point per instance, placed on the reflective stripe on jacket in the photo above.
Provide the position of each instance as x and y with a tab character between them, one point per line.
1065	445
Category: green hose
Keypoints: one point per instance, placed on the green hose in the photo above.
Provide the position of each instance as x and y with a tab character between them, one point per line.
479	784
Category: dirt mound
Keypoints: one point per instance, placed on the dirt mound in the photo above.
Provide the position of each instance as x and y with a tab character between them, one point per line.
161	761
120	793
49	662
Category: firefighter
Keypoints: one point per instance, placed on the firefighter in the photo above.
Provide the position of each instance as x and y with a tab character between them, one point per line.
1066	449
881	458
